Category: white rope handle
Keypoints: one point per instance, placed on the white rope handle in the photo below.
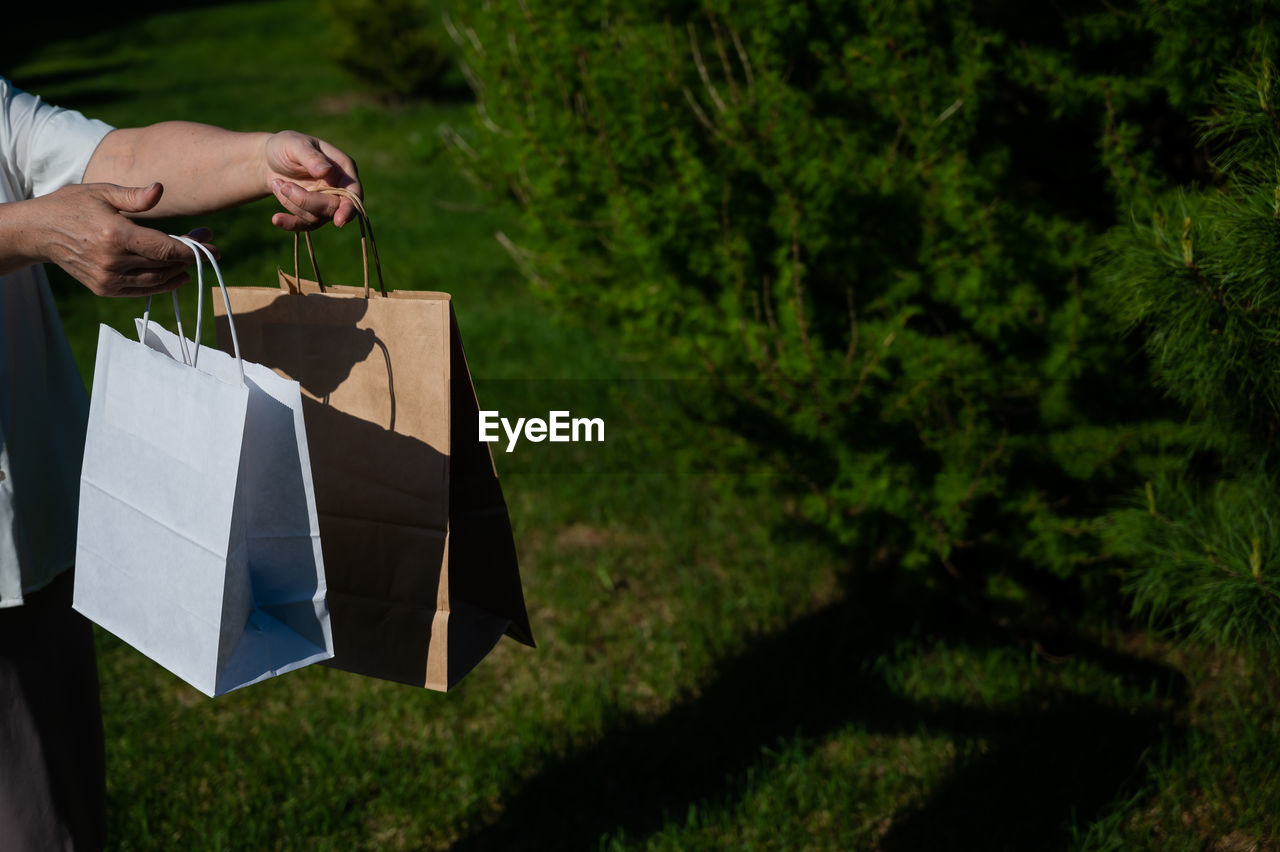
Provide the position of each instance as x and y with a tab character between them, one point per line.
177	316
191	357
199	249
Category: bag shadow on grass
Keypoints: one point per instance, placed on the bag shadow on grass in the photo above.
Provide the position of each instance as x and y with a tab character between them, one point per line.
1050	758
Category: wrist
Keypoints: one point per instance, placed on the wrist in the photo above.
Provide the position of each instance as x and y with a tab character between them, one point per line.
262	147
21	227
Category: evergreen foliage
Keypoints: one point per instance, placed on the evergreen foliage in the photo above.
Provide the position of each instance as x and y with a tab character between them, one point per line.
1199	283
876	225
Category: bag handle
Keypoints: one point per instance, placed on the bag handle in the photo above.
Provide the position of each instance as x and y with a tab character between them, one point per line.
192	357
199	249
177	316
366	227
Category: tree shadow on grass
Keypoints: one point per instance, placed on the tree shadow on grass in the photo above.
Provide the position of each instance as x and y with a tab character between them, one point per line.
1053	757
85	93
28	24
99	32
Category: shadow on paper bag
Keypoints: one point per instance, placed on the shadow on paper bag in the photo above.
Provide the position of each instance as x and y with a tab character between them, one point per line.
418	550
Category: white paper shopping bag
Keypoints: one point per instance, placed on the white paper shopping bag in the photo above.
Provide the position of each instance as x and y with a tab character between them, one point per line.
198	541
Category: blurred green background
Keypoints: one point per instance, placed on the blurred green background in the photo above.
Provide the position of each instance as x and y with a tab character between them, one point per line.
710	673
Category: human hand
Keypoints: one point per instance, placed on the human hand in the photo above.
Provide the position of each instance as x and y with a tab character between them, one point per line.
298	164
82	229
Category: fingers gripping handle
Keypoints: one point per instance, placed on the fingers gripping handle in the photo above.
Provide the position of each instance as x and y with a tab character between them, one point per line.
366	242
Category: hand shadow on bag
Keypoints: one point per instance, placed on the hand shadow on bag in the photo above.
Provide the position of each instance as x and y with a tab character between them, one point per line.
278	329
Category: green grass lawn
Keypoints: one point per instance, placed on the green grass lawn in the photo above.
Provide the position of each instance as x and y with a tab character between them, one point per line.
710	674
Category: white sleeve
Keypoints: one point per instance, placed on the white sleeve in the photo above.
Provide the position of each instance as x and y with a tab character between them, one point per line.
45	147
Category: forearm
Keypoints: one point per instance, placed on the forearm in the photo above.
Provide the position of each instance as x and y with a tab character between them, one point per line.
203	168
19	237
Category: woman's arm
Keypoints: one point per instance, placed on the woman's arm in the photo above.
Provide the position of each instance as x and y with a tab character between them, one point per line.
204	168
175	168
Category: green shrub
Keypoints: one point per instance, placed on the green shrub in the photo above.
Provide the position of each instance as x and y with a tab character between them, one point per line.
873	223
389	45
1197	281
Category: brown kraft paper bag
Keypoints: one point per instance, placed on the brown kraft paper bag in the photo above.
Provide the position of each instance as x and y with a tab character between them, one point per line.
417	544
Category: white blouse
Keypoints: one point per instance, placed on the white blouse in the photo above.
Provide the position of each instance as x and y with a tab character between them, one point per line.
43	404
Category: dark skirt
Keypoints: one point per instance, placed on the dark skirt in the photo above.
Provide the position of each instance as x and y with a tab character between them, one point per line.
52	769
